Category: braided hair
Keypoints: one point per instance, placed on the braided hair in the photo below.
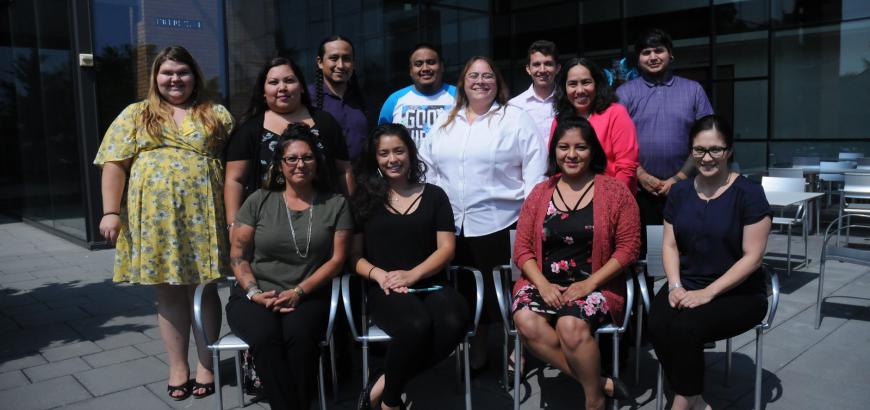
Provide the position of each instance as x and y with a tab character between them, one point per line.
353	86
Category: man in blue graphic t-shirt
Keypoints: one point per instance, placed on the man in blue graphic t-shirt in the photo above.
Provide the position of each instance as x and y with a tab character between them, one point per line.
418	105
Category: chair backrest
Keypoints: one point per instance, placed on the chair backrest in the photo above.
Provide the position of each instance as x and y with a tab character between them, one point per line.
515	270
830	166
782	184
850	156
857	186
654	267
786	172
805	161
774	297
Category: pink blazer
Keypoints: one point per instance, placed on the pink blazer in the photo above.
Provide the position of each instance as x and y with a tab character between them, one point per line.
616	234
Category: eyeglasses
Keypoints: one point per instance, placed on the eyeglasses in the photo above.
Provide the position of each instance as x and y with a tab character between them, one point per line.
293	159
483	76
715	152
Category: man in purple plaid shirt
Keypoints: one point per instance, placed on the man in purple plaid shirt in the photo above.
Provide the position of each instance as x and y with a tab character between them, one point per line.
664	107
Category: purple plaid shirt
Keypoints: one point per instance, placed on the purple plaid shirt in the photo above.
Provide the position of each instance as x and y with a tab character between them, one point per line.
350	115
663	113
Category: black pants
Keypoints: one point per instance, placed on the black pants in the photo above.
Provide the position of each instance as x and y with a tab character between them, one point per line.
679	335
484	253
285	345
424	328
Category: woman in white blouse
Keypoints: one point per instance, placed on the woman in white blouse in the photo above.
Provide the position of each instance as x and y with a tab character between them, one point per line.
487	156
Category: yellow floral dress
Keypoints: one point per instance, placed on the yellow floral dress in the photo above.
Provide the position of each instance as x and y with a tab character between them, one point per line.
172	221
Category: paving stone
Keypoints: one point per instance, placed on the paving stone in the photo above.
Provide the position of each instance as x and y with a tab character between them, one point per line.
39	319
12	379
121	339
56	369
17	298
136	398
37	339
113	356
21	362
44	395
70	350
10	279
8	325
152	348
122	376
25	309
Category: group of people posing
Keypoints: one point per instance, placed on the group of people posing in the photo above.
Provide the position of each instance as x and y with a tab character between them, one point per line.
302	190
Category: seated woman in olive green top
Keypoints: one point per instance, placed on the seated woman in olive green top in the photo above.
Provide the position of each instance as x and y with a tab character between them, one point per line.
288	241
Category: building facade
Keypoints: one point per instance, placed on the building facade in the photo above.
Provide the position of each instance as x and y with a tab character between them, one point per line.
792	75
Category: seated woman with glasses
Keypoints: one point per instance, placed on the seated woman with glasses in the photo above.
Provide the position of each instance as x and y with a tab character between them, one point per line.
715	233
403	244
576	233
289	240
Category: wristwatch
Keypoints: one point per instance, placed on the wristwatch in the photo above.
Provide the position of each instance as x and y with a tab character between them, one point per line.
253	291
299	291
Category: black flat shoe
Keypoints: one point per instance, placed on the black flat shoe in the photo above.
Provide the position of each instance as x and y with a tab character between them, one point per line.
620	390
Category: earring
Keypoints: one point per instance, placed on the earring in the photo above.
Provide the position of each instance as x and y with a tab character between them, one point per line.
280	180
380	174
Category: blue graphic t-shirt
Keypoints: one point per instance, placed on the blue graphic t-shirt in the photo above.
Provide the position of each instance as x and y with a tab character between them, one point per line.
417	111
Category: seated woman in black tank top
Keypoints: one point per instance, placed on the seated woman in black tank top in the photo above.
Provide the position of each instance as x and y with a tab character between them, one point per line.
403	244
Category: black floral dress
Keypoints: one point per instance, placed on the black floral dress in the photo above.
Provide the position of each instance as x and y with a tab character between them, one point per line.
567	251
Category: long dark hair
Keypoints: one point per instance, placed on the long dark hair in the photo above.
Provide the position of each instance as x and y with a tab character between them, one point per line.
501	88
353	87
371	187
257	104
604	95
298	132
599	158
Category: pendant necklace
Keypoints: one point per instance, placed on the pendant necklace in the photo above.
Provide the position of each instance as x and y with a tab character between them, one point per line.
293	231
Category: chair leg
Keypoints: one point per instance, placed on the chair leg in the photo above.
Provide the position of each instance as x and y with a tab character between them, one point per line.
218	397
660	389
839	221
728	362
759	338
460	350
637	339
788	252
239	378
332	369
465	355
518	351
506	361
365	363
806	228
615	365
819	296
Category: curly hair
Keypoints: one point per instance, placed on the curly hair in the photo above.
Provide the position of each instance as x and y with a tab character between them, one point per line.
371	187
298	132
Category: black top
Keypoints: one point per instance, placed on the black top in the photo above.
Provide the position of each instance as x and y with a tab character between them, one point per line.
401	242
252	142
567	244
709	234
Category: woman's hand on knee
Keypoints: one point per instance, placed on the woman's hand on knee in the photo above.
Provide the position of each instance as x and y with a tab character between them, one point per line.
552	295
695	298
578	290
675	296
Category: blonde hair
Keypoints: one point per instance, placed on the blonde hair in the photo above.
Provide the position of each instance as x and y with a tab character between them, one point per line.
501	94
158	111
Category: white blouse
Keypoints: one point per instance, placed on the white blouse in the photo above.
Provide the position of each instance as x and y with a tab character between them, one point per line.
487	168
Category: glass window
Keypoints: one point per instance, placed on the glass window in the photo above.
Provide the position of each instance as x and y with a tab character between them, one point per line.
750	157
744	104
821	80
790	13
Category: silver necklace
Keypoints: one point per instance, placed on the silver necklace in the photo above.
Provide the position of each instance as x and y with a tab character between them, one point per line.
293	231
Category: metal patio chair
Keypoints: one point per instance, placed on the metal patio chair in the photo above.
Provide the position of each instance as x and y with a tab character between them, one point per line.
838	253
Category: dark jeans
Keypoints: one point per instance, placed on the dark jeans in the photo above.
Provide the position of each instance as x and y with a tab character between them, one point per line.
424	328
285	345
679	335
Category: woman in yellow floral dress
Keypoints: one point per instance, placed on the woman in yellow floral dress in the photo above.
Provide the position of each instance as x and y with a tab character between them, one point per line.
168	225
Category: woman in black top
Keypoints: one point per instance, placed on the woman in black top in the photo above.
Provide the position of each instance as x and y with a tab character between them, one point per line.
403	243
279	98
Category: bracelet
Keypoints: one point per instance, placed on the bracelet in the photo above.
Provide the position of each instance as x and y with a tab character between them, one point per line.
370	272
230	226
674	287
299	291
111	213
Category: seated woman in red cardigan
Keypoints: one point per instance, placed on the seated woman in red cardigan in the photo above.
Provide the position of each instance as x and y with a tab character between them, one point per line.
576	232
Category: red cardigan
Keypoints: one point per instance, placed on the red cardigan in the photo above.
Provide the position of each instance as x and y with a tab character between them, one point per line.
616	234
